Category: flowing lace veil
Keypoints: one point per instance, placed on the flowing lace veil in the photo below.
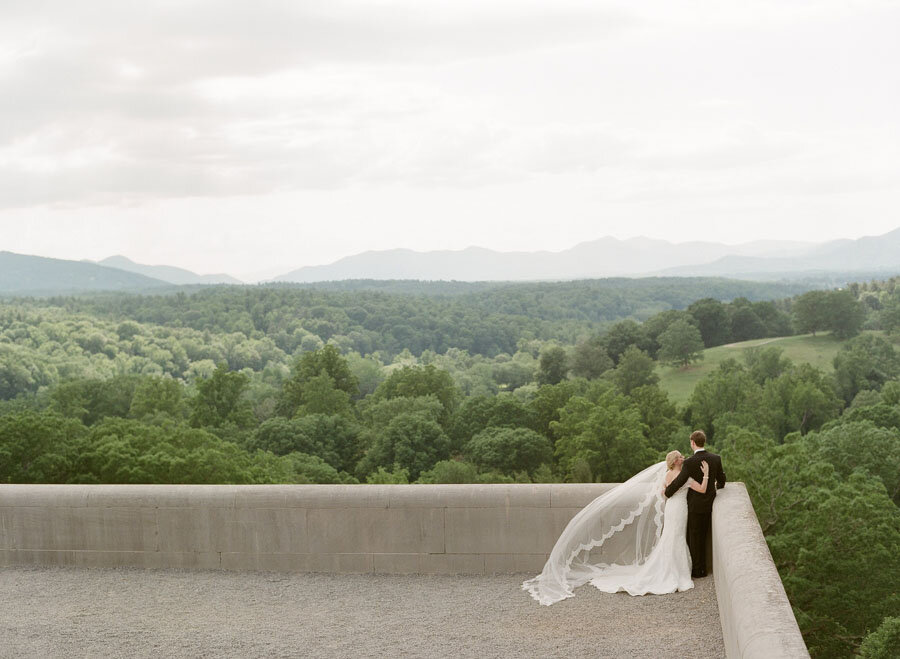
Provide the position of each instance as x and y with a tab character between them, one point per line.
620	527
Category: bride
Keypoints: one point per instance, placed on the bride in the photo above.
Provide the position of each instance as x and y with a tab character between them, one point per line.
628	539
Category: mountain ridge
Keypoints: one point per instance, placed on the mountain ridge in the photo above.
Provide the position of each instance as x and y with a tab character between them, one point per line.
866	254
22	274
603	257
167	273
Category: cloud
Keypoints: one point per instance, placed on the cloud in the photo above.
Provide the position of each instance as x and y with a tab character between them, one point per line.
739	146
216	98
123	104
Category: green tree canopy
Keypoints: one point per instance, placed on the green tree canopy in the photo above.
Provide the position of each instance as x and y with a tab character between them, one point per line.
623	334
880	414
590	359
607	435
308	373
845	314
220	400
635	369
321	396
418	381
90	400
554	365
850	445
884	642
382	476
451	471
155	395
765	363
335	439
727	395
811	311
681	344
480	412
656	325
509	450
714	324
38	447
128	451
410	441
546	404
776	321
745	324
864	362
658	415
295	468
801	399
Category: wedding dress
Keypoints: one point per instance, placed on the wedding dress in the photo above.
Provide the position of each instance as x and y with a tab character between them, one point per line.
628	539
668	567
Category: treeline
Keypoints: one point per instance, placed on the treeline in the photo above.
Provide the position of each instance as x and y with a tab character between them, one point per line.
496	339
417	316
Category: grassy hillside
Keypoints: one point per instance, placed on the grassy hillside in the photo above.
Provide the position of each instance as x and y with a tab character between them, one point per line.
817	350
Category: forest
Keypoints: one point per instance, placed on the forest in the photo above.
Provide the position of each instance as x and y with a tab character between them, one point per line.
397	382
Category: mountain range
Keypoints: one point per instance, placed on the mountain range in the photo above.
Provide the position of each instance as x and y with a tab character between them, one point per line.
870	253
22	274
606	257
167	273
843	260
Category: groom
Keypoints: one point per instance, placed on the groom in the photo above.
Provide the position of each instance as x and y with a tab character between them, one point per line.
699	505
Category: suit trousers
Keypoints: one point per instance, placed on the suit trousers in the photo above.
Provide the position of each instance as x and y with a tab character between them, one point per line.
698	525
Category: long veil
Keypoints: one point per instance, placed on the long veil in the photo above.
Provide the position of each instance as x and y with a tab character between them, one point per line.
620	527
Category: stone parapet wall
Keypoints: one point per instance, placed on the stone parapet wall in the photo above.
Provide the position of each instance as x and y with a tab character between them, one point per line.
391	529
757	619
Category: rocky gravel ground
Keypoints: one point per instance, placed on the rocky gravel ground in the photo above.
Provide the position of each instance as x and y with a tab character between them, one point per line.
69	612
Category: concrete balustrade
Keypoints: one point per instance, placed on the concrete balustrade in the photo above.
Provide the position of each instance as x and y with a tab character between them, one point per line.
393	529
757	619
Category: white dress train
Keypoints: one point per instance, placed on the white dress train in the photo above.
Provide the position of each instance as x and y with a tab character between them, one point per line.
631	538
667	568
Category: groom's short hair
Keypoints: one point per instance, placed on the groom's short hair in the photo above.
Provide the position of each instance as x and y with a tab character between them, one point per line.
699	438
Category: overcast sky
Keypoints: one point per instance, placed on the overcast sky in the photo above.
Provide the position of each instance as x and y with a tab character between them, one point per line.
257	137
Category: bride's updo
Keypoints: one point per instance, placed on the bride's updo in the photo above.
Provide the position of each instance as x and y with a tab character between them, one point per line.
671	457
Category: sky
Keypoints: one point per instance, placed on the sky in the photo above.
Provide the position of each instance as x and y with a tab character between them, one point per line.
255	138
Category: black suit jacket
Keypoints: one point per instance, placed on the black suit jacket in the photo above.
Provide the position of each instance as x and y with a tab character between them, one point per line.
701	503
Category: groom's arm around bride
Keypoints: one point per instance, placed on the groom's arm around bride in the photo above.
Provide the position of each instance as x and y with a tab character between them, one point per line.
691	469
699	505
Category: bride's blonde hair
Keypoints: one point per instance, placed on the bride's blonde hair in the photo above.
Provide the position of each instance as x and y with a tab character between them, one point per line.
671	456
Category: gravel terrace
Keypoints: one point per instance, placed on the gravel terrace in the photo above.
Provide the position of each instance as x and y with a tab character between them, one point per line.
78	612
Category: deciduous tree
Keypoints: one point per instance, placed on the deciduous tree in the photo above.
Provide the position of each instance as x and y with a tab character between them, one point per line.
509	450
635	369
681	344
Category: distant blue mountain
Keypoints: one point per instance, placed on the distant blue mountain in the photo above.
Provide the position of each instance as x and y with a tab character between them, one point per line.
21	274
167	273
606	257
870	254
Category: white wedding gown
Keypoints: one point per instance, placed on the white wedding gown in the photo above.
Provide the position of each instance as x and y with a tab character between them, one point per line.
630	539
667	568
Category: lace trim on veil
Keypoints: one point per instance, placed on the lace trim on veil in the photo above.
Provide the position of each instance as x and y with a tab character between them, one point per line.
557	581
657	521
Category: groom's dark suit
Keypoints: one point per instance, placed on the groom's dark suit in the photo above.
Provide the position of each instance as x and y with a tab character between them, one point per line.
699	505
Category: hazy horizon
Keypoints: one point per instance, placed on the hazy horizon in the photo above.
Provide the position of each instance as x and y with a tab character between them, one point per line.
224	137
661	257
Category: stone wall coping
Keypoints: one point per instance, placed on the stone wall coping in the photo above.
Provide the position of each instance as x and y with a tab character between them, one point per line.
756	615
551	495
